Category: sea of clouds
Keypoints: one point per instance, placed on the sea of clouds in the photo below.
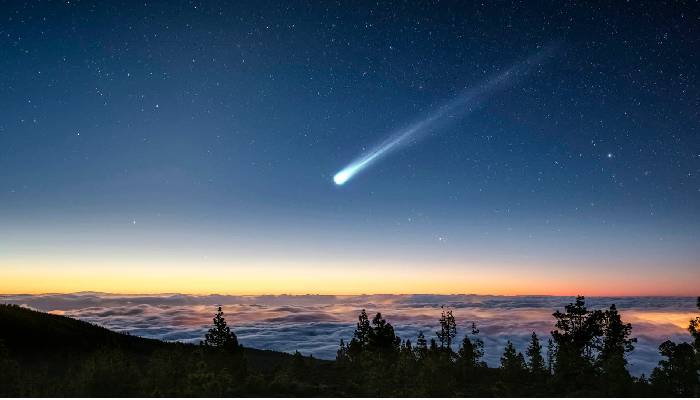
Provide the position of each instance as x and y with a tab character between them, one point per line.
314	324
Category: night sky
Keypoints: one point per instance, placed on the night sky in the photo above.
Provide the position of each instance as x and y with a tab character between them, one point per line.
191	146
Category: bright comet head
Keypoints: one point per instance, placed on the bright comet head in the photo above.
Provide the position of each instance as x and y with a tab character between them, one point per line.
341	177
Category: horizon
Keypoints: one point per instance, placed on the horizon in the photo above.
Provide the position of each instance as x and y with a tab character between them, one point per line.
300	294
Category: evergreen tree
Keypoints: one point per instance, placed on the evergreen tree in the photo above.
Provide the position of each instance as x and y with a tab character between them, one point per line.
513	370
539	372
361	337
677	374
512	360
616	343
535	359
478	346
407	347
341	356
469	365
433	346
577	338
421	349
471	351
373	354
694	329
220	335
551	353
363	329
448	329
578	328
382	339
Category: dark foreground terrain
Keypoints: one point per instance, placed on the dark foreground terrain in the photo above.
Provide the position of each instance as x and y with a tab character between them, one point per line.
45	355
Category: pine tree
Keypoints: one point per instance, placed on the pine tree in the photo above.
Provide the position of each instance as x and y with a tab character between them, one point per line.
539	373
341	356
534	354
448	329
551	353
694	329
421	348
677	374
478	345
361	337
382	338
577	335
512	370
433	346
511	360
363	329
469	365
407	346
611	360
471	351
578	328
220	334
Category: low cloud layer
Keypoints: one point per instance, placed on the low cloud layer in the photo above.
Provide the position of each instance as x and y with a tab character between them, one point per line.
314	324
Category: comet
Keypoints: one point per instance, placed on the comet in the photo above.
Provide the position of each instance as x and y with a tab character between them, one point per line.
464	103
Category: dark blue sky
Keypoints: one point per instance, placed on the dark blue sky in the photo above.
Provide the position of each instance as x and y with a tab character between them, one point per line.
187	129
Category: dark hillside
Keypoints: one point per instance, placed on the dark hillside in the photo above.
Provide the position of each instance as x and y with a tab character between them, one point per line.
53	355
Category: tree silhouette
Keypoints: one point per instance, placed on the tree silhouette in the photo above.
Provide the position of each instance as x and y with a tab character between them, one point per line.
361	337
363	330
534	353
407	347
341	356
694	329
513	370
551	353
471	351
220	335
539	372
578	328
616	343
448	329
421	349
677	374
478	345
577	338
469	364
382	338
371	356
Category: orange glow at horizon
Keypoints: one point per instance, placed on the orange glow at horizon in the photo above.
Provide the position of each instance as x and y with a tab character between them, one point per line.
337	278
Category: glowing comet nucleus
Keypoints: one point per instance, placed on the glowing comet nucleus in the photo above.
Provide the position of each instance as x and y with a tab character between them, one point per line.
465	102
